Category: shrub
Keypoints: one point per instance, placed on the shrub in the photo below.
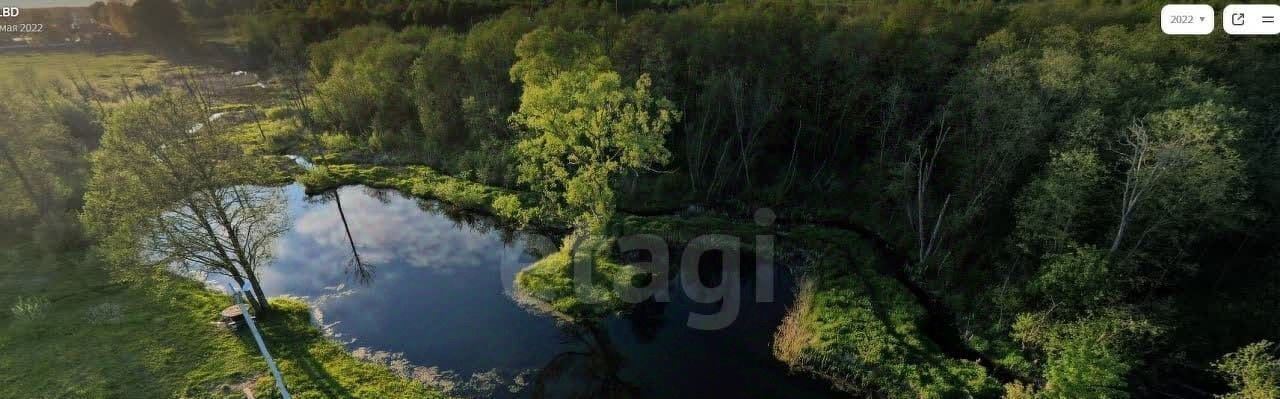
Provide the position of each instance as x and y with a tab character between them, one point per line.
349	44
318	178
794	335
368	91
462	193
104	313
339	142
30	308
1253	371
509	207
491	163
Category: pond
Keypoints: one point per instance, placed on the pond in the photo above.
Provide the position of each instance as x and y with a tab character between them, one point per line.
433	286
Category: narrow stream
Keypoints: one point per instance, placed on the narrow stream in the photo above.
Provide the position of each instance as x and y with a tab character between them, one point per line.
430	284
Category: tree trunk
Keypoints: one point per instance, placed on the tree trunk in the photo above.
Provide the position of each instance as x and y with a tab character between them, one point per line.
264	306
237	248
253	301
1124	223
230	267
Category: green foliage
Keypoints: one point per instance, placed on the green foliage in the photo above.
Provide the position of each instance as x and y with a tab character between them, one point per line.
1089	356
1205	185
265	136
1017	390
168	190
277	113
437	96
544	54
583	126
273	40
1080	278
682	229
305	349
420	181
102	71
508	206
365	93
1080	370
160	23
1129	145
214	9
342	13
1253	371
30	163
318	177
349	44
1056	205
339	142
491	162
150	159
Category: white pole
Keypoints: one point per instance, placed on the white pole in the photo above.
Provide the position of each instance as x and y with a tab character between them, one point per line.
262	346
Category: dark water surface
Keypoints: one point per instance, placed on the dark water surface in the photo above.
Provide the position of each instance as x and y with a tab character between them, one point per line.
433	287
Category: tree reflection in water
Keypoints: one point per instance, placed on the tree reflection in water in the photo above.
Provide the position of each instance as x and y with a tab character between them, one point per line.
363	271
646	319
360	271
444	300
592	372
470	220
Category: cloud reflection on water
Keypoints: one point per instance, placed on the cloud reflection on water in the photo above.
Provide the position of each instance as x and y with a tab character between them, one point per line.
396	231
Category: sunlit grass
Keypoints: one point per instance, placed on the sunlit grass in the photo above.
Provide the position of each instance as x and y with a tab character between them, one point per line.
420	181
863	330
103	71
550	281
154	337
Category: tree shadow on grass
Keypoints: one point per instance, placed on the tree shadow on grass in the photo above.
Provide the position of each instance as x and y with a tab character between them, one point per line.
289	343
316	373
923	351
916	352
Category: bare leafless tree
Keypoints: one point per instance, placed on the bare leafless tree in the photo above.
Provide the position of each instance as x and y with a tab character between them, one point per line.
1147	162
920	167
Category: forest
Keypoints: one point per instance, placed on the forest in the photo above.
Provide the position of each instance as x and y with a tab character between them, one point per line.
976	199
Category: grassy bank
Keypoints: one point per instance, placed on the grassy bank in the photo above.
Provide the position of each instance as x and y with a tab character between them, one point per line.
549	281
419	181
863	331
82	335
